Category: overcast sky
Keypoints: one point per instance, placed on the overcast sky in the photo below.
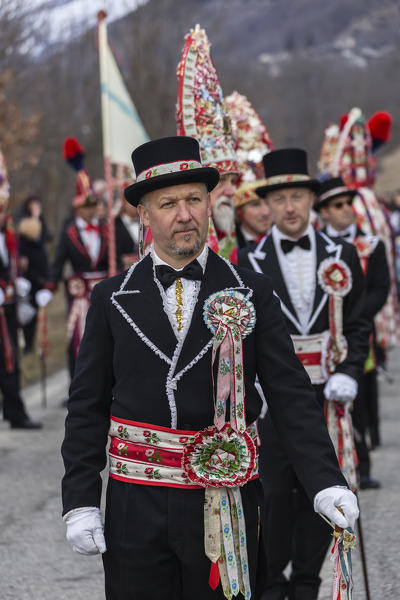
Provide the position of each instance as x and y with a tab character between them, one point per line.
65	16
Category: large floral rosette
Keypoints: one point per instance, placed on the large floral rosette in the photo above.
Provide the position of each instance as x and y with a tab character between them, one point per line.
220	458
223	457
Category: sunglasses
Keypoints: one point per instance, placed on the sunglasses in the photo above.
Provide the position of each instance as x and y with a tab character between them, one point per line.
341	203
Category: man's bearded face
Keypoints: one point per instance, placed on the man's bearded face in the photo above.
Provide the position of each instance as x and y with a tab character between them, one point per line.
224	214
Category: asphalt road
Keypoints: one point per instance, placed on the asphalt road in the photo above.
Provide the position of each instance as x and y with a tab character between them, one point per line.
36	563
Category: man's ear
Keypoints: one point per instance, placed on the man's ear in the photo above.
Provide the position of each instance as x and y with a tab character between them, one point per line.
144	214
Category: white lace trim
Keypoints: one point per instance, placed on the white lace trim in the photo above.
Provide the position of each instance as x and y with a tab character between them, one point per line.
235	273
131	322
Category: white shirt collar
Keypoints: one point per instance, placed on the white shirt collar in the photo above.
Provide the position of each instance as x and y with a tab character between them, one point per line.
81	223
202	258
350	232
247	236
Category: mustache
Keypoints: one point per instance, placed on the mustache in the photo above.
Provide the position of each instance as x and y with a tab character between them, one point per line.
191	228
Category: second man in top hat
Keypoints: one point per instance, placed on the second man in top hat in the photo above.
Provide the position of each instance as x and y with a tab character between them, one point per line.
310	273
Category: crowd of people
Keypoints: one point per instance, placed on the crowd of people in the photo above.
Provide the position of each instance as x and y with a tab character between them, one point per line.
328	246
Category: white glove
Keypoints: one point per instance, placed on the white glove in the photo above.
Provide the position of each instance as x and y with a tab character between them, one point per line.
2	297
341	387
327	500
43	297
22	287
85	530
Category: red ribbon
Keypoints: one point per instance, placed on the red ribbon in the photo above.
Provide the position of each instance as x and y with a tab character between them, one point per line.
213	579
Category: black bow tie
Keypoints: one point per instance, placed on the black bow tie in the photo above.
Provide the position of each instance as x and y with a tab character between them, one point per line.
167	275
345	236
288	245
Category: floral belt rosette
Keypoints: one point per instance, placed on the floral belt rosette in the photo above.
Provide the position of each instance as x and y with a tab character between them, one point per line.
224	457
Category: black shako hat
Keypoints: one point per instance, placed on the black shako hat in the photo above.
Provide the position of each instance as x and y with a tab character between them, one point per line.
286	168
330	189
165	162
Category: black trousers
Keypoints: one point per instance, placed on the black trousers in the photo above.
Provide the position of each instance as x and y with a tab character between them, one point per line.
13	407
155	542
365	417
291	530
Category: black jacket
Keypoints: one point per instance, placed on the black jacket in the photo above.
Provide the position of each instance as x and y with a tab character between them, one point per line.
131	365
377	278
356	327
71	249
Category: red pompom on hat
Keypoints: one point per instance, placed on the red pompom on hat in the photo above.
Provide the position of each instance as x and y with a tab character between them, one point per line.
71	148
380	126
343	120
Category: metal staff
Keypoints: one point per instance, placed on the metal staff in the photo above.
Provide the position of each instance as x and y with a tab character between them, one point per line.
363	554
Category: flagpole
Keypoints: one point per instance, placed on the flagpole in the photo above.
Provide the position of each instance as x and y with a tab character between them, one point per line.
105	113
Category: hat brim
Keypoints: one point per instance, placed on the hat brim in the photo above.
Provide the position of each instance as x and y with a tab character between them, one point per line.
313	184
319	204
208	175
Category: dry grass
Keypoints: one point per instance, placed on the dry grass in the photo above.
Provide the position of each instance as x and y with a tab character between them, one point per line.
57	358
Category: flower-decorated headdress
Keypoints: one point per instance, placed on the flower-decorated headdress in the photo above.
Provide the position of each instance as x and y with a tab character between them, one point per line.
348	148
252	142
201	109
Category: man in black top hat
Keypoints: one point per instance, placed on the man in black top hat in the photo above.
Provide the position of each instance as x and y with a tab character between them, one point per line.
171	347
310	274
334	204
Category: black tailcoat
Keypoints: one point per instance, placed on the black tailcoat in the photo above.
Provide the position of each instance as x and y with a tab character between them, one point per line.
125	243
38	265
131	365
13	407
356	327
71	249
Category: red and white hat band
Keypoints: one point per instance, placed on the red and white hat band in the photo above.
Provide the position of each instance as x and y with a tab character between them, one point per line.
172	167
290	178
334	192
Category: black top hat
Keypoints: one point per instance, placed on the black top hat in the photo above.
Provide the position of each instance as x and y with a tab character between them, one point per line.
286	168
165	162
330	189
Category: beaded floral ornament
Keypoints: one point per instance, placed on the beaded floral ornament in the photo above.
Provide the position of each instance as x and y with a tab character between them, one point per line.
201	109
335	278
252	142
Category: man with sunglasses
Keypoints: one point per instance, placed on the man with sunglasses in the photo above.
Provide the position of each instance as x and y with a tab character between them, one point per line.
299	262
334	204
